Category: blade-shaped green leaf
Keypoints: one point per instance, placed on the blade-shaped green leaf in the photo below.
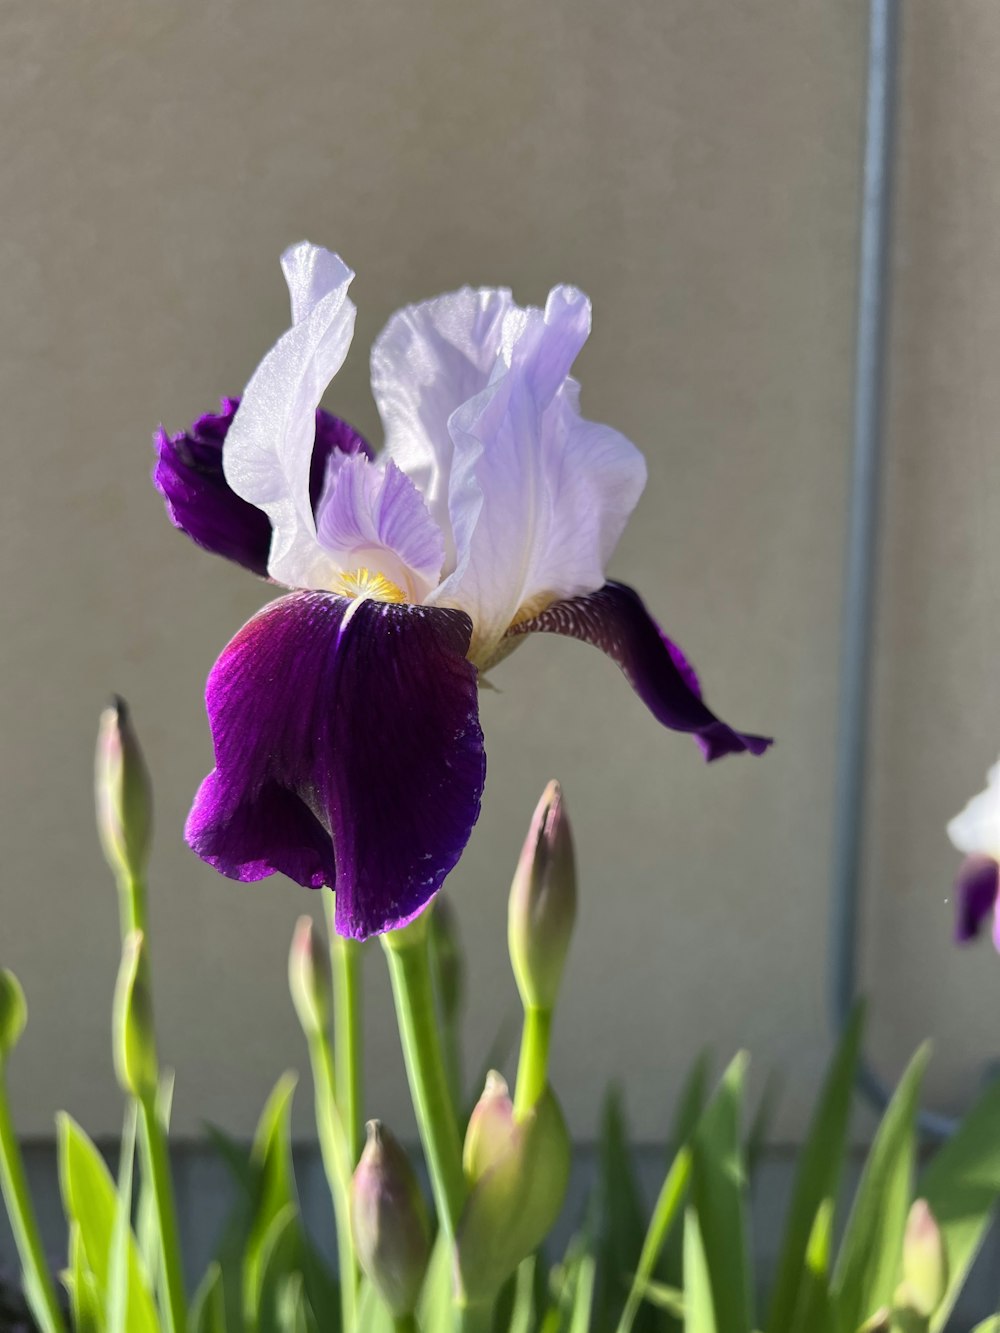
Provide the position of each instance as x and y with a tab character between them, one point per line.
761	1126
271	1157
668	1208
699	1311
118	1293
583	1294
522	1316
690	1105
867	1268
373	1316
620	1222
146	1216
812	1307
665	1297
718	1190
821	1164
81	1287
90	1200
962	1186
434	1309
208	1309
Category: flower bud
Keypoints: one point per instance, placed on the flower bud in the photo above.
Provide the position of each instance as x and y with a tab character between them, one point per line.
542	904
389	1223
132	1022
13	1013
514	1203
447	957
309	978
925	1262
124	794
490	1127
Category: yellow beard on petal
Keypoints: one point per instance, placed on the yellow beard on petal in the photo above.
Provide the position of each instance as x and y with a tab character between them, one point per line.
368	583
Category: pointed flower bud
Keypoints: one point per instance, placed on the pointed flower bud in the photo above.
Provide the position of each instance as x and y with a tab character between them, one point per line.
490	1128
309	978
132	1022
447	955
124	794
389	1222
925	1262
516	1199
13	1013
542	904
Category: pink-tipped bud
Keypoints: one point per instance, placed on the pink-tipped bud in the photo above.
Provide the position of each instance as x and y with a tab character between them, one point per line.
490	1127
542	905
132	1022
13	1013
123	793
389	1223
925	1262
309	977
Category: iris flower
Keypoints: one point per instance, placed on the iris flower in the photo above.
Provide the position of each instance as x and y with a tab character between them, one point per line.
344	715
976	832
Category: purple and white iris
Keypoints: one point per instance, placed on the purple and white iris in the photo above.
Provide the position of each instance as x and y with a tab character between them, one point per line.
976	832
344	715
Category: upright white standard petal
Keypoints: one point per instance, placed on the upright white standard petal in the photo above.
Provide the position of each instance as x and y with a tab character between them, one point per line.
268	450
538	496
427	361
976	830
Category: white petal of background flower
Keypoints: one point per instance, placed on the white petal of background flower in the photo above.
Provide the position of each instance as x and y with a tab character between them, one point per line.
977	828
269	448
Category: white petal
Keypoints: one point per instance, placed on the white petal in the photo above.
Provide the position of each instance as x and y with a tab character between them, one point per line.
977	828
268	450
427	361
539	496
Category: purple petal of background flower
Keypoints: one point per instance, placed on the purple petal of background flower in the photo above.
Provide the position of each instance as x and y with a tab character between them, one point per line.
199	501
976	887
348	752
615	620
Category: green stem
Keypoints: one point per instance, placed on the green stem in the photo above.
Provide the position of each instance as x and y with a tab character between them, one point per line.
157	1166
38	1284
131	905
345	959
533	1062
337	1168
413	993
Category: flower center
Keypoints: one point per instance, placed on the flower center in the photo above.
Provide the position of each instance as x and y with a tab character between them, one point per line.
365	582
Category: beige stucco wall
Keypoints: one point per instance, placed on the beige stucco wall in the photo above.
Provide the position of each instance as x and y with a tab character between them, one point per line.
693	166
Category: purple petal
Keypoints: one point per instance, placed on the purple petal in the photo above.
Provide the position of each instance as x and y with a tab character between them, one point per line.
200	502
615	620
976	886
348	752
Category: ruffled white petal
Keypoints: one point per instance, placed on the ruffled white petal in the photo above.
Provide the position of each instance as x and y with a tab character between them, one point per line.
976	830
538	496
427	361
269	447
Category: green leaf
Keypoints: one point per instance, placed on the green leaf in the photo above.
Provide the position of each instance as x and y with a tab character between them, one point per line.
522	1319
718	1188
819	1171
208	1310
812	1306
434	1309
761	1126
278	1264
583	1294
271	1158
699	1311
81	1287
668	1207
991	1325
620	1222
90	1201
146	1217
118	1294
867	1269
665	1297
687	1113
962	1185
374	1317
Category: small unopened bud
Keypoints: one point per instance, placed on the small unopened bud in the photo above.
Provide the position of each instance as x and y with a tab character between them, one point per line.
13	1012
925	1262
124	794
132	1022
309	977
514	1203
542	904
392	1234
447	956
491	1124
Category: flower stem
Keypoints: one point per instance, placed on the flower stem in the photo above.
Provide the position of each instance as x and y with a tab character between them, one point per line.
337	1168
157	1166
38	1284
412	990
533	1062
345	960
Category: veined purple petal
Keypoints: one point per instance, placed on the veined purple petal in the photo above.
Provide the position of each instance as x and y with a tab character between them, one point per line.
615	620
348	752
977	885
199	501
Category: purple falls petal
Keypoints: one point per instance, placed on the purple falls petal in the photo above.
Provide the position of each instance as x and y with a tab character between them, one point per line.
615	620
348	752
976	887
199	501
